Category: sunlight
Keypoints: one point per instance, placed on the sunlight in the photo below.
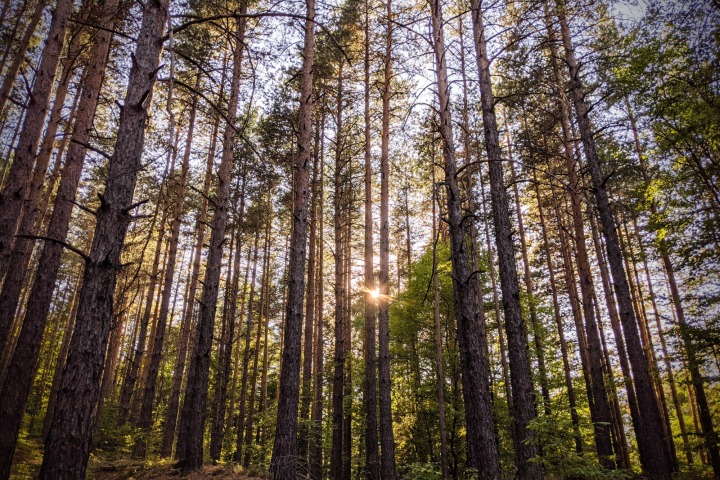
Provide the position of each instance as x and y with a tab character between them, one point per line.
375	293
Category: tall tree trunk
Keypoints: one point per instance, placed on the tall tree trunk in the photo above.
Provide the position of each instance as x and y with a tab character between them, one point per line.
185	329
709	434
246	354
557	314
15	190
530	290
284	455
192	423
652	444
388	469
520	377
11	73
316	450
439	361
256	354
68	445
370	405
482	449
306	393
31	206
339	360
148	395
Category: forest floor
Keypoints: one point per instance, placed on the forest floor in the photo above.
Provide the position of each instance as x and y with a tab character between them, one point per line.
28	458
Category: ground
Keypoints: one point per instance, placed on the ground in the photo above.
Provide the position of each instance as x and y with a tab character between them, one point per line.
28	458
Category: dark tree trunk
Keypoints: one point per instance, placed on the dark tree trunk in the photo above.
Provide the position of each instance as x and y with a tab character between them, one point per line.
192	418
482	449
388	469
284	457
246	354
68	445
370	401
520	377
185	334
15	190
316	450
148	395
339	358
652	444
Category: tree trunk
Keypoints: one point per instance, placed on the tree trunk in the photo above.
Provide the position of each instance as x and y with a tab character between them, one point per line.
520	376
316	450
11	73
68	446
653	447
192	424
339	360
388	469
370	401
482	450
185	334
14	192
284	455
439	340
148	395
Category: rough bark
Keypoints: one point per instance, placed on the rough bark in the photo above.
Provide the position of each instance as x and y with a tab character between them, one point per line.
520	376
482	450
652	444
68	445
192	424
284	457
388	470
370	406
15	190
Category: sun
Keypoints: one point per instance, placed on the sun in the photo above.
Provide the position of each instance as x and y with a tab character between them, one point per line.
375	293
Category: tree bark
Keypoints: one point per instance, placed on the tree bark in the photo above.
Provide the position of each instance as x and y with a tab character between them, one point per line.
68	446
482	450
192	424
520	377
284	457
11	73
15	190
370	401
652	444
388	469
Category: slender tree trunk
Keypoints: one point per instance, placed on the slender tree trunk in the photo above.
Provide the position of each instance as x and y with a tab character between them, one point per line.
339	360
68	446
15	190
439	370
185	329
653	446
11	73
388	469
572	400
482	449
530	291
284	457
306	393
138	355
192	424
246	354
253	382
148	395
316	450
370	405
520	376
22	247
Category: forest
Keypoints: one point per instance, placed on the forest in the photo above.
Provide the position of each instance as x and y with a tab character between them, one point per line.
360	239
